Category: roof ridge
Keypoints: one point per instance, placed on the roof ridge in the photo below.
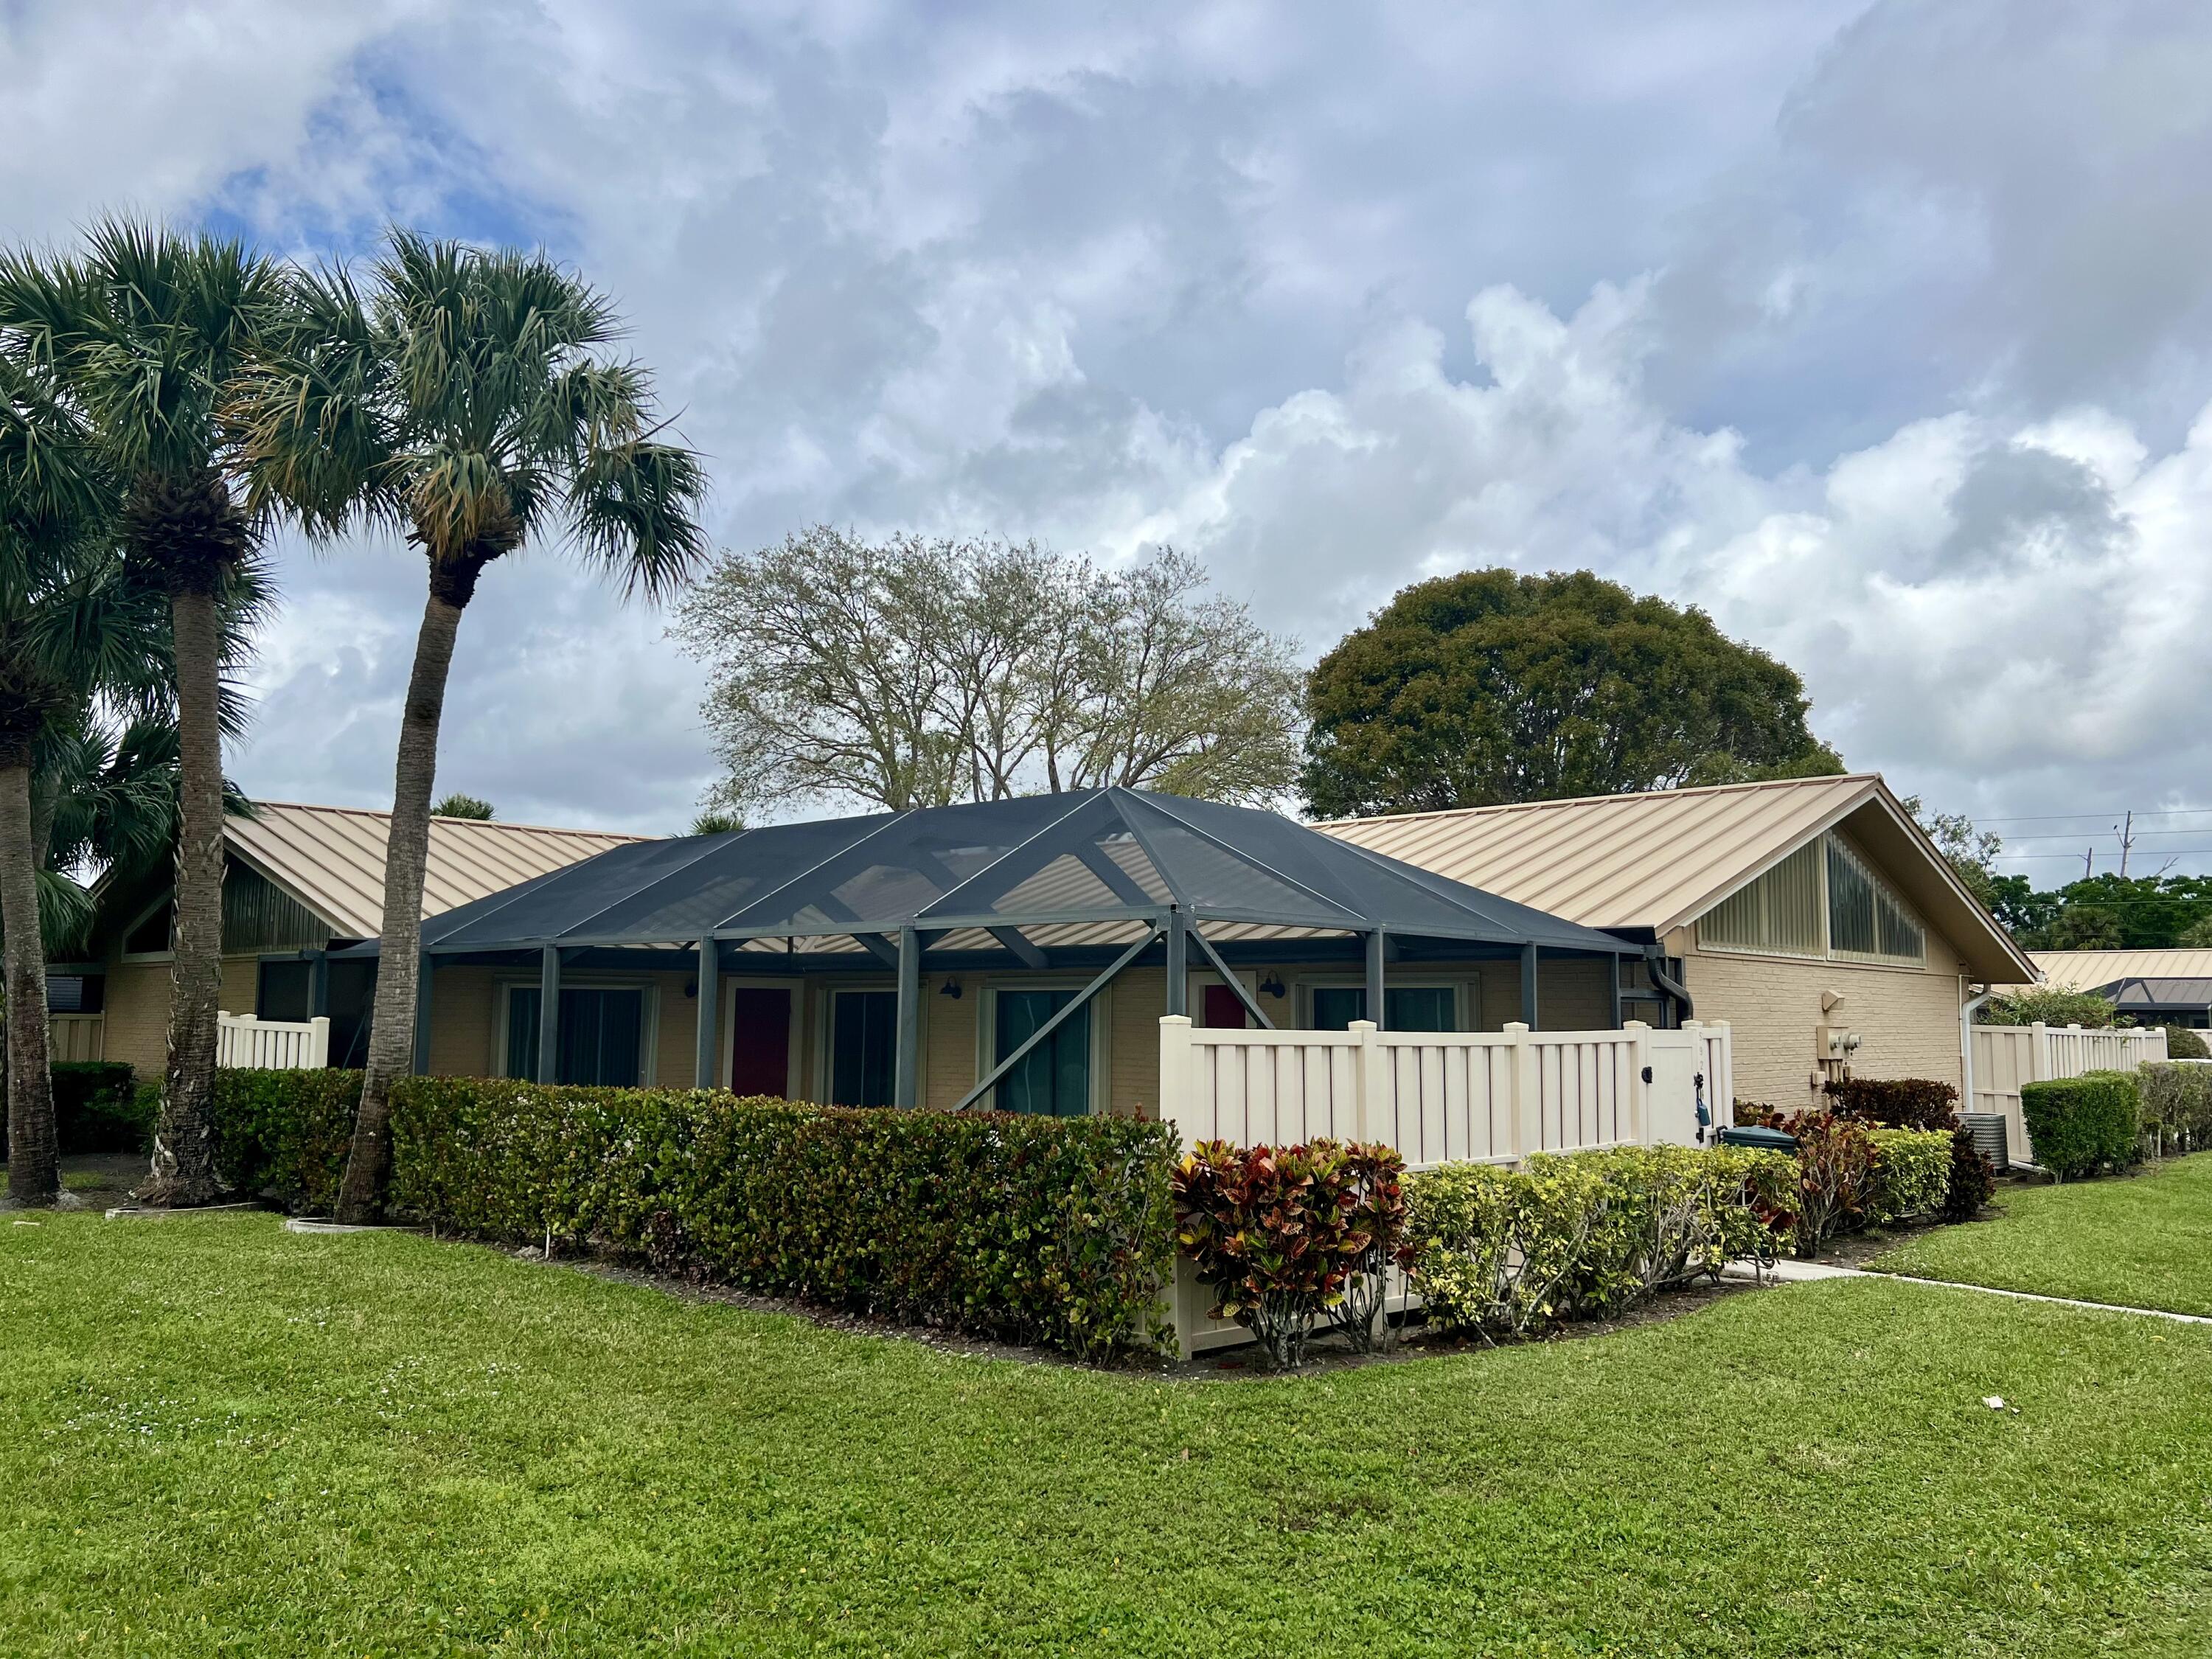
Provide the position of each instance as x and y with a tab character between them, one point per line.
385	813
1829	779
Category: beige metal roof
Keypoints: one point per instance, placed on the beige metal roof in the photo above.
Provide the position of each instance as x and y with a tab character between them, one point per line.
1660	859
332	858
2085	970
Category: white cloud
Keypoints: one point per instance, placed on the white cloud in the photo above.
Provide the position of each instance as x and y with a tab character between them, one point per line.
1876	328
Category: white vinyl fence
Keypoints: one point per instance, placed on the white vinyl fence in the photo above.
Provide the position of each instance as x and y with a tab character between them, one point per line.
1437	1097
275	1044
75	1037
1444	1097
2007	1056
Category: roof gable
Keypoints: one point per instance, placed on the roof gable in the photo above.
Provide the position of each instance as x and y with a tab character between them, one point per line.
330	858
1662	859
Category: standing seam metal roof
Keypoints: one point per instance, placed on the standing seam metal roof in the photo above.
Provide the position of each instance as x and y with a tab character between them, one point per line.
332	858
1655	860
1662	859
2086	970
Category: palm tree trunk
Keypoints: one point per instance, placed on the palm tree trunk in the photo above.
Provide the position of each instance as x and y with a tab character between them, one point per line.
184	1140
407	848
33	1176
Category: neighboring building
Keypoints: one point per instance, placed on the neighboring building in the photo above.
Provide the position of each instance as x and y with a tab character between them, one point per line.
1812	914
297	881
2151	987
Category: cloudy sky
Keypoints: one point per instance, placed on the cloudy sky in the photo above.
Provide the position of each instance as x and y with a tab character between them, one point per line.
1879	330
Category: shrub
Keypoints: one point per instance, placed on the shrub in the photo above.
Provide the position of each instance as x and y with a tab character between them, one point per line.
96	1110
1054	1230
285	1135
1378	1176
1901	1102
2049	1006
2176	1102
2081	1125
1911	1173
1972	1180
1585	1234
2183	1043
1835	1174
1276	1232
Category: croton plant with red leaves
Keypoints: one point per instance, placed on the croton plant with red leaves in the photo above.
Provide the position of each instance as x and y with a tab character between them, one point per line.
1284	1234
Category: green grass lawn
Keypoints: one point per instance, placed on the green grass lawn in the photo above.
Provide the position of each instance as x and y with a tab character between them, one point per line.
217	1438
2142	1241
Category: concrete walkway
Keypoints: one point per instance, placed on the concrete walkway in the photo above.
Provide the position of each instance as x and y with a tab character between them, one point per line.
1802	1273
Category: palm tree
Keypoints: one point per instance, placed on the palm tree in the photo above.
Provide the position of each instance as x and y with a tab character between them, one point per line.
147	336
465	399
53	509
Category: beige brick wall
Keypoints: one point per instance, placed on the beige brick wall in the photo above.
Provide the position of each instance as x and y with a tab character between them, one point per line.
466	1032
1907	1018
135	1025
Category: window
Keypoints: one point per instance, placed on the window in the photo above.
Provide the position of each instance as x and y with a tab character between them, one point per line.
1864	918
75	993
863	1046
1823	901
1054	1078
602	1035
1405	1008
1780	912
149	937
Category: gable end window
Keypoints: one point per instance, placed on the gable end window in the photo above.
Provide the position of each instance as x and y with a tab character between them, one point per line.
1824	901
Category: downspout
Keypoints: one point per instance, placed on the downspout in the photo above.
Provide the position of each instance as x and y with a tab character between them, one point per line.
1655	962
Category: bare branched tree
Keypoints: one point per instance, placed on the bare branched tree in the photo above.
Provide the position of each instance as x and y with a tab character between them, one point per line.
916	672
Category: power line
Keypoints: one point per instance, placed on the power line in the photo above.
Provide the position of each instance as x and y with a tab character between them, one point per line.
2105	814
2171	852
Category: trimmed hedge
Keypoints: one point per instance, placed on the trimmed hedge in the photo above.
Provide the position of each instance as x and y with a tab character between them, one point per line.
1911	1174
2081	1125
285	1133
2184	1043
96	1110
1901	1102
1054	1230
1584	1235
2176	1103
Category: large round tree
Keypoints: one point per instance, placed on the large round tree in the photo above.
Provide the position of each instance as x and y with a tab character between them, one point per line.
1492	686
470	399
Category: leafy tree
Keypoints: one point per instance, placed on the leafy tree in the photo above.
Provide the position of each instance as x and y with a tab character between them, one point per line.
145	338
914	672
716	824
467	398
1492	686
2115	912
2052	1007
2025	912
2198	935
458	806
1970	852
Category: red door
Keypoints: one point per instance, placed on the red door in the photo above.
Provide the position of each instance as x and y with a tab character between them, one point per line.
760	1040
1218	1009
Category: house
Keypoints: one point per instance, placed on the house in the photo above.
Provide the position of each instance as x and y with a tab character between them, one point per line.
1022	952
2151	987
298	883
1813	915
